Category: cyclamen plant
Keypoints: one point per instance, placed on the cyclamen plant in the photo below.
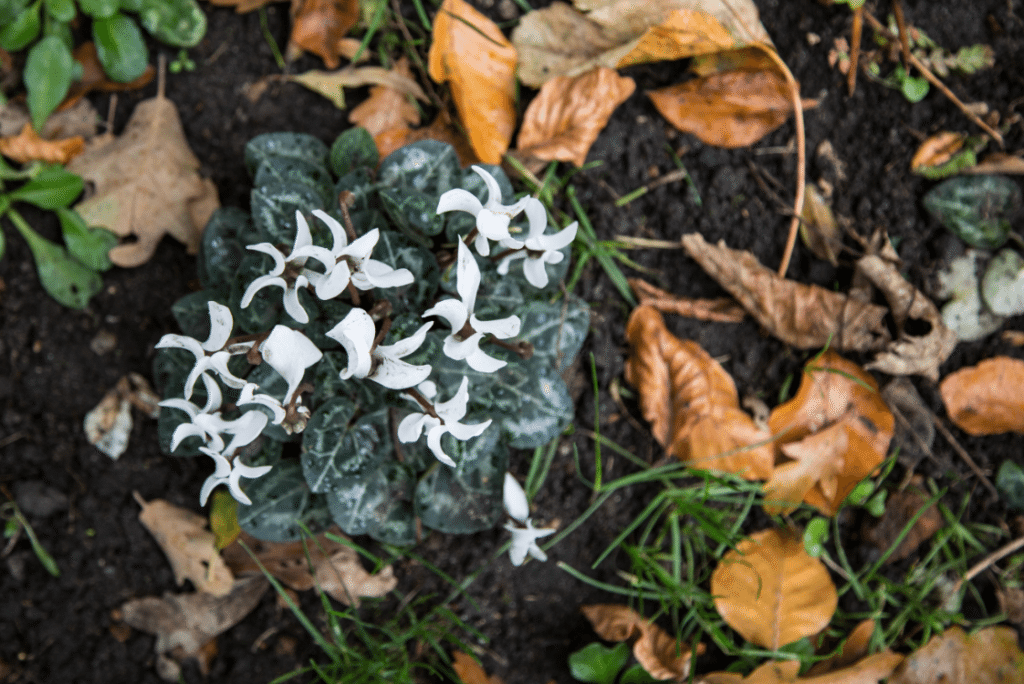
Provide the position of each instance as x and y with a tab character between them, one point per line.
371	361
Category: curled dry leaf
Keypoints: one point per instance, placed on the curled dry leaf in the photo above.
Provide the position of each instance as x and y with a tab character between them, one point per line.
937	150
146	183
819	229
441	128
567	115
691	402
108	425
771	591
870	670
28	146
721	309
388	107
854	647
837	402
318	26
469	52
469	670
189	546
657	652
900	509
332	84
804	316
986	399
989	656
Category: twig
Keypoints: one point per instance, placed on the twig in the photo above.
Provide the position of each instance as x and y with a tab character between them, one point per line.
964	455
635	242
855	35
901	26
987	562
933	79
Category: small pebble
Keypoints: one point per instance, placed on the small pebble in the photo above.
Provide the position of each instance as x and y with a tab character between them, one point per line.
103	343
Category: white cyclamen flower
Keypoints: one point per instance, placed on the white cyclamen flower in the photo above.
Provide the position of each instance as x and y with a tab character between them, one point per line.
208	424
524	539
492	218
540	249
249	396
229	473
467	329
290	353
220	330
353	263
382	363
515	499
449	413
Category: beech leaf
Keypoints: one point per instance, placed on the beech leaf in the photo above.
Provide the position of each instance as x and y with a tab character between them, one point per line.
722	309
388	107
470	672
657	652
869	670
318	26
986	399
771	591
989	656
691	402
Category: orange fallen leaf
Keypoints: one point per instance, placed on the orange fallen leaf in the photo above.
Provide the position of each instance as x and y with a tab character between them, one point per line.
332	84
469	52
387	107
937	150
835	396
853	649
989	656
441	128
819	229
870	670
900	509
567	115
318	26
771	591
691	402
721	309
470	672
28	146
986	399
657	652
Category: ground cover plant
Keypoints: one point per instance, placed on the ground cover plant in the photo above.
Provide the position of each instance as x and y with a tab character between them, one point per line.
927	543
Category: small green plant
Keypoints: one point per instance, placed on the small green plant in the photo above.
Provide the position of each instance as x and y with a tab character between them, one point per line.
44	28
69	274
15	524
182	63
599	664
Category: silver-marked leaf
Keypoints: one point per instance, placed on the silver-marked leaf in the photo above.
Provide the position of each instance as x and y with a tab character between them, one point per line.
274	206
354	149
412	180
378	503
335	449
531	401
275	146
556	330
221	249
281	501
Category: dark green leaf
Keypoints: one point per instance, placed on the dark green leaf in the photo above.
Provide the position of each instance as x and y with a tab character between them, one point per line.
120	47
221	251
175	22
274	206
65	278
557	330
334	448
412	179
399	252
281	501
22	31
636	674
598	664
288	171
47	77
977	209
61	10
52	187
1010	483
10	10
354	149
88	245
192	313
366	396
378	503
100	9
267	308
276	146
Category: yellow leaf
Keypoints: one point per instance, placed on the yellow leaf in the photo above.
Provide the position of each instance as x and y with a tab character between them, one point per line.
986	399
224	519
684	33
771	591
470	53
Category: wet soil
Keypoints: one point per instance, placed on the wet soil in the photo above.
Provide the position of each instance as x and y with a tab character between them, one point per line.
80	501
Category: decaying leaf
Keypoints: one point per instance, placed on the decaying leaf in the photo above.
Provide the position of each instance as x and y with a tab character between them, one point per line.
915	426
986	399
900	509
470	53
819	229
331	84
80	119
855	646
657	652
804	316
108	425
321	562
28	146
835	396
189	546
469	670
721	309
965	314
989	656
442	128
186	623
771	591
870	670
318	26
691	402
937	151
999	163
567	115
388	107
145	183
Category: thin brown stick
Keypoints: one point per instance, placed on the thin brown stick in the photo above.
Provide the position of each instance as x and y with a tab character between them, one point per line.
964	455
855	35
933	79
987	562
901	26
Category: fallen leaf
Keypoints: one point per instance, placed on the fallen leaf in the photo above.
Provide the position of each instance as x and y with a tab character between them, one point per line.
817	460
242	6
331	84
989	656
965	314
908	354
728	109
469	52
145	183
900	509
835	395
869	670
804	316
1013	337
388	107
344	578
937	150
470	672
772	672
184	624
915	426
819	229
691	402
657	652
28	146
999	162
986	399
771	591
95	78
442	128
189	546
567	115
109	424
319	25
721	309
78	120
855	646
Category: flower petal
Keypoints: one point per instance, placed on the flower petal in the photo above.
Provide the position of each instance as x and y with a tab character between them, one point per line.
291	300
514	497
467	274
411	427
451	310
493	226
378	274
559	240
535	273
463	432
396	374
290	353
402	348
537	217
355	332
221	324
459	200
484	363
274	253
245	429
334	282
260	283
303	238
502	328
172	341
455	408
434	442
337	231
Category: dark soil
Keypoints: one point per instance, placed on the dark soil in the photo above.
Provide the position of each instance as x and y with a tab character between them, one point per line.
59	630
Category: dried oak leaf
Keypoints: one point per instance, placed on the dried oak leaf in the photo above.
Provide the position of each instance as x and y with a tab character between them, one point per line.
986	399
657	652
318	26
469	52
841	400
721	309
185	624
869	670
804	316
899	510
908	354
470	672
989	656
332	84
146	183
189	546
771	591
691	402
28	146
388	107
568	114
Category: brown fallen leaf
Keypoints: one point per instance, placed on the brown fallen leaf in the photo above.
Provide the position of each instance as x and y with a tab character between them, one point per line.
721	309
442	128
771	591
989	656
819	229
855	646
869	670
332	84
78	120
986	399
95	78
937	150
188	545
146	183
568	114
469	52
900	509
804	316
657	652
185	624
28	146
817	461
999	163
387	107
470	672
108	425
242	6
318	26
691	402
908	354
